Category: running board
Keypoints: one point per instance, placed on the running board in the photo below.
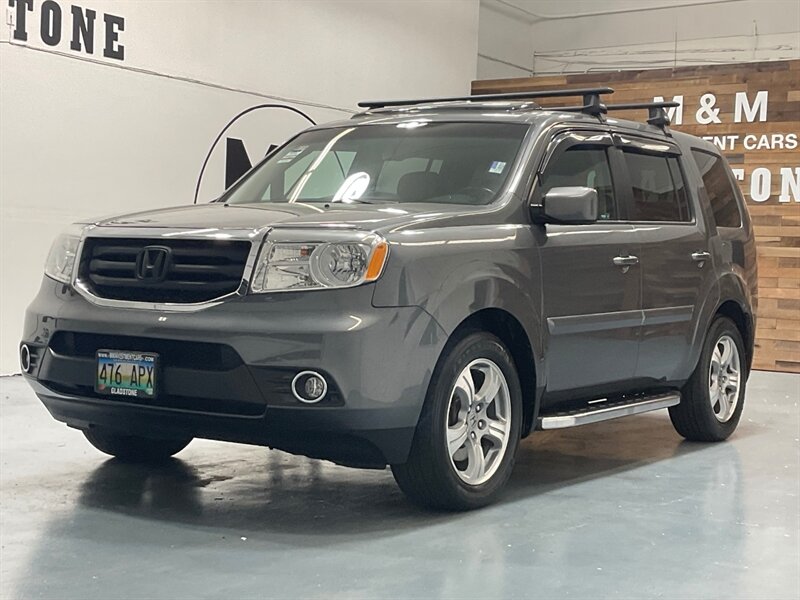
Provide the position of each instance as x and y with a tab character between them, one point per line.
608	410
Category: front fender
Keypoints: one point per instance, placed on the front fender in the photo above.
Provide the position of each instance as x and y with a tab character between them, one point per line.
452	273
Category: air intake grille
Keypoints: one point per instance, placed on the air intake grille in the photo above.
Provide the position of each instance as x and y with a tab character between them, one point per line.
181	271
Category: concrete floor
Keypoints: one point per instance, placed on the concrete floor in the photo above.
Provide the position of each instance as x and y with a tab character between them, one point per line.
622	509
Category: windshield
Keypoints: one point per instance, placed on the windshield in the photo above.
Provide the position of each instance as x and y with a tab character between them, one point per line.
458	163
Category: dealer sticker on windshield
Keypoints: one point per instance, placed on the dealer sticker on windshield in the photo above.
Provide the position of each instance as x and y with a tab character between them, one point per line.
292	154
497	167
123	373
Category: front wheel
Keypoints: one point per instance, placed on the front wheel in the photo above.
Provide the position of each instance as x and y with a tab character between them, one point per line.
131	448
713	398
467	436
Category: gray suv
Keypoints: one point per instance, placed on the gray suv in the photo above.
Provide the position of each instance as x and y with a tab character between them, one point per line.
420	286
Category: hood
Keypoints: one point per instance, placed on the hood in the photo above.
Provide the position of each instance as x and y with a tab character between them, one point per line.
368	217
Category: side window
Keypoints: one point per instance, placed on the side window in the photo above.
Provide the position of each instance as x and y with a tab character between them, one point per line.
659	193
583	166
719	189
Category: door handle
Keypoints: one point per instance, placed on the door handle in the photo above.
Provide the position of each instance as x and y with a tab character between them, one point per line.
626	262
700	258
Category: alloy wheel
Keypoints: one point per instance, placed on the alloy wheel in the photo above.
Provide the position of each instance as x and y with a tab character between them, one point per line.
724	378
478	421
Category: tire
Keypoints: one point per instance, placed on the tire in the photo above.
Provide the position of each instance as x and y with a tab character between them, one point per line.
433	476
698	419
135	449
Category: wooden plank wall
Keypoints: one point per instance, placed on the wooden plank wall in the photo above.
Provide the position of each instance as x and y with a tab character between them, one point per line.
777	221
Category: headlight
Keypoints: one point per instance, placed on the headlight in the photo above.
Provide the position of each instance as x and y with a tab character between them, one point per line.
63	254
301	266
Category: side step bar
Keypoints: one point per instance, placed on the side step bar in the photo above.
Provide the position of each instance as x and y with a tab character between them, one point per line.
607	410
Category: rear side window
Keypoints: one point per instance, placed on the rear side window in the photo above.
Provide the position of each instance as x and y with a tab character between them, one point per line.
659	193
719	189
584	167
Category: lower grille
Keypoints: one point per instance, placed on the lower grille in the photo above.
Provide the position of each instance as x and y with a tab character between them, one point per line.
195	376
199	377
186	270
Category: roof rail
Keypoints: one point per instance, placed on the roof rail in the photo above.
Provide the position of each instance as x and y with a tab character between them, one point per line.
591	98
656	115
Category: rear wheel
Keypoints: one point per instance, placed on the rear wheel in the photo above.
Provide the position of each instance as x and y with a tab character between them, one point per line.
713	398
467	436
130	448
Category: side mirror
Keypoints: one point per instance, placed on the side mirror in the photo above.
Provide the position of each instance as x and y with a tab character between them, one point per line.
569	206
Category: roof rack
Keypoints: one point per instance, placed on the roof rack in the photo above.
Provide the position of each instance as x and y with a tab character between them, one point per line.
591	99
656	115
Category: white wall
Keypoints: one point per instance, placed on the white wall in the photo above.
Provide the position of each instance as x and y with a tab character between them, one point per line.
89	136
519	38
505	45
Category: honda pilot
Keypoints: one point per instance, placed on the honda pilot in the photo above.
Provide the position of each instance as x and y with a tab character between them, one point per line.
420	286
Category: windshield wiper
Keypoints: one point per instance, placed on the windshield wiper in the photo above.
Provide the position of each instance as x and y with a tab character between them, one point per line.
364	201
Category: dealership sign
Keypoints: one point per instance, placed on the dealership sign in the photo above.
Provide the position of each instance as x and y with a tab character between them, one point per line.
747	108
53	22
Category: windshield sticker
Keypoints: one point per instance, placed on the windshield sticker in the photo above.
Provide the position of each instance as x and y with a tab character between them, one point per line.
292	154
497	167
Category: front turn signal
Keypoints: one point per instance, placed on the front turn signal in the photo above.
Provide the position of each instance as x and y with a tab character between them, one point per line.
376	261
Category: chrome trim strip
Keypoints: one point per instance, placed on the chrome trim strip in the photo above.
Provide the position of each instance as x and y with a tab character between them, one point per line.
254	236
647	404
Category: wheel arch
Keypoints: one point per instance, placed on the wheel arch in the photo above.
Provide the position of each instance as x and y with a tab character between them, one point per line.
510	331
744	323
737	302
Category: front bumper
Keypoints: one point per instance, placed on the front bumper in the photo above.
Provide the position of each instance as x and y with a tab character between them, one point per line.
227	369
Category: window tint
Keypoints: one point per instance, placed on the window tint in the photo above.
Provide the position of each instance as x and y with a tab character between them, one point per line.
584	167
719	189
659	193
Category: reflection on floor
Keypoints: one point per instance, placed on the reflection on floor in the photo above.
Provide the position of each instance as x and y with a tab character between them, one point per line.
622	509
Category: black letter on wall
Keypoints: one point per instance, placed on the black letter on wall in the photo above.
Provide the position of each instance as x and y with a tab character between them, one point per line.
20	33
114	25
83	27
237	162
51	23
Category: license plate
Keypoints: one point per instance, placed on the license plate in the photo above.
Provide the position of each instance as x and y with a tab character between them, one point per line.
126	374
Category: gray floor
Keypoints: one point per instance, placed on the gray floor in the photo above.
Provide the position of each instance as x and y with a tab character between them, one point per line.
621	509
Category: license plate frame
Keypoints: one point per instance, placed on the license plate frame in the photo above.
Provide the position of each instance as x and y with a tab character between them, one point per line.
129	374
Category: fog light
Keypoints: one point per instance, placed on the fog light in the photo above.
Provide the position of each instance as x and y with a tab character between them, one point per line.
25	358
309	387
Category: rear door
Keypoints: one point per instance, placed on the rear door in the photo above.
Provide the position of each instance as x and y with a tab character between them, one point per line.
675	262
591	300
